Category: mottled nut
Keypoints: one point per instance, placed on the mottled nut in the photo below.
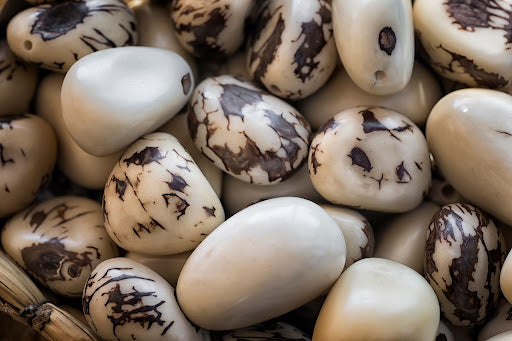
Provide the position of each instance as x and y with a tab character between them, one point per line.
125	300
340	93
402	239
59	242
169	267
28	150
157	201
177	127
500	322
356	230
378	299
370	158
375	41
210	29
56	35
264	261
467	41
292	50
112	97
82	168
444	333
464	253
246	132
469	132
238	194
18	81
267	331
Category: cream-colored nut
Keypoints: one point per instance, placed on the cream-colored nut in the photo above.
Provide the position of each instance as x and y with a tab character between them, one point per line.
375	41
444	333
402	239
246	132
464	253
469	133
340	93
178	127
169	267
56	35
59	242
378	299
356	230
125	300
266	331
266	260
157	201
238	194
82	168
28	150
114	96
292	50
370	158
500	322
467	41
18	82
506	278
442	193
210	29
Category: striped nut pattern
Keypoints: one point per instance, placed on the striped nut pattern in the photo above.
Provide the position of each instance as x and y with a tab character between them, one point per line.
157	201
370	158
56	35
246	132
210	29
292	50
125	300
266	331
464	254
59	241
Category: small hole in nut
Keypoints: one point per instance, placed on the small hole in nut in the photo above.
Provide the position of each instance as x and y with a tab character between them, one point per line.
379	75
27	45
448	190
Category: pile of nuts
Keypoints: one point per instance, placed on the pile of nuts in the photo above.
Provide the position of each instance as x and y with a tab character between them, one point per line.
257	170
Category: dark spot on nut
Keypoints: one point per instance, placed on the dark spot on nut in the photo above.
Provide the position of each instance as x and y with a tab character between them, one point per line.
59	19
186	83
387	40
359	158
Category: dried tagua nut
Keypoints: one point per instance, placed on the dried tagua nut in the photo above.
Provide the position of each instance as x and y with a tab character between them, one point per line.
210	29
112	97
370	158
125	300
28	150
378	299
246	132
292	50
59	242
18	82
464	253
157	201
266	331
56	35
375	40
467	41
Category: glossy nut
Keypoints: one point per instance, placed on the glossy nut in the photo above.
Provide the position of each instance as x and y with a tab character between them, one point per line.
375	41
370	158
56	35
59	242
292	51
28	150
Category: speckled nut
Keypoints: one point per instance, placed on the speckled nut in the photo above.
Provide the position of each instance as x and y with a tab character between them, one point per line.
157	201
357	232
114	96
506	278
18	82
370	158
500	322
415	101
378	299
125	300
246	132
56	35
444	333
464	253
210	29
267	331
59	242
402	239
82	168
292	50
247	270
467	41
471	129
375	40
28	150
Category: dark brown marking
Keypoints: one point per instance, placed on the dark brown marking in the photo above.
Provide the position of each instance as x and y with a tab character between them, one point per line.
186	83
120	186
331	124
6	121
59	18
402	174
177	184
3	159
314	160
372	124
210	210
504	133
359	158
387	40
235	97
418	166
180	204
441	337
145	156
